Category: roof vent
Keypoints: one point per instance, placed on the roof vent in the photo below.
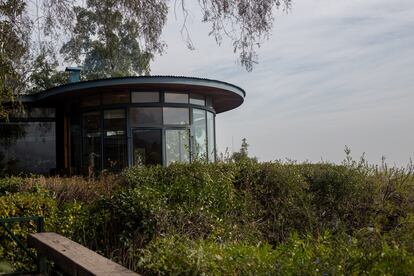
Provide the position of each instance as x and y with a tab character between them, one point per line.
74	74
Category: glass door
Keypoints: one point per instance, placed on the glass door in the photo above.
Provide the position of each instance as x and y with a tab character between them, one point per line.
177	146
147	147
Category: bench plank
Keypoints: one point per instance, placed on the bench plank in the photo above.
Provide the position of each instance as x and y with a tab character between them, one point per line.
74	258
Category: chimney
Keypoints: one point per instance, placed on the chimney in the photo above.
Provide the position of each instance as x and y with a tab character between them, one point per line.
74	74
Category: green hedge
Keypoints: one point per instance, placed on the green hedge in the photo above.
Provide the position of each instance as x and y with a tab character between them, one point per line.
243	218
323	255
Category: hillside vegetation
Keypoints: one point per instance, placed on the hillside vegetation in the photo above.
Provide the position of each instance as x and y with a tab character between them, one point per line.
243	218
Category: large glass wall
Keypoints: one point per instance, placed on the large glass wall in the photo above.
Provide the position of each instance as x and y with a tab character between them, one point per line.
111	130
156	127
28	142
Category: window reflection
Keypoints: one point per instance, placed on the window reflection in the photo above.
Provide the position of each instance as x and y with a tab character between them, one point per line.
177	145
145	97
28	147
147	147
146	116
197	99
211	137
115	149
115	143
91	127
115	97
199	134
209	101
34	112
175	97
92	100
176	116
114	122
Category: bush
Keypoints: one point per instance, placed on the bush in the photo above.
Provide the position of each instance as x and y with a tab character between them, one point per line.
22	205
322	255
341	254
280	198
182	256
197	200
10	185
258	218
342	196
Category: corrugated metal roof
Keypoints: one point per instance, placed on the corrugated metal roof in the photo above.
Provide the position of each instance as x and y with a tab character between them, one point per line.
151	76
226	96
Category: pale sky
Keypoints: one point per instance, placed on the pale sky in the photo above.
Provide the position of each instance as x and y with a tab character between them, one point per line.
334	73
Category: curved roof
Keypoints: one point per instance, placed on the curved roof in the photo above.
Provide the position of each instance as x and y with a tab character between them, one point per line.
225	96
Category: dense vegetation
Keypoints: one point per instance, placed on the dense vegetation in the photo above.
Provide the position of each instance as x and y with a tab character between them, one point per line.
230	218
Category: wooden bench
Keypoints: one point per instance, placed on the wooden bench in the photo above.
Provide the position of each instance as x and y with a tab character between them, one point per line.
73	258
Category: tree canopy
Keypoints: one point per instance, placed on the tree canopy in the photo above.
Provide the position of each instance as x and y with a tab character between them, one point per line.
111	37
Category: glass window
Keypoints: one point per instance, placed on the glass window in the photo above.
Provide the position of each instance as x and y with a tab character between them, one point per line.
92	122
38	112
199	134
211	137
28	147
175	97
115	148
145	97
115	143
114	122
91	150
177	145
92	100
76	142
197	99
147	147
176	116
115	97
146	116
34	112
209	101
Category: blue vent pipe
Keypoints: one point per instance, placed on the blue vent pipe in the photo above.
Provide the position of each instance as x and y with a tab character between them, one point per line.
74	74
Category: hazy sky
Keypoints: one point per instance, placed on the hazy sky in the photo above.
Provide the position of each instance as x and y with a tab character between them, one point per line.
334	73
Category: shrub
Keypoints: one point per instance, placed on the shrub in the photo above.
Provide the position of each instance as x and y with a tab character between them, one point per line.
70	189
21	205
182	256
258	218
10	185
342	196
279	197
116	222
341	254
322	255
196	200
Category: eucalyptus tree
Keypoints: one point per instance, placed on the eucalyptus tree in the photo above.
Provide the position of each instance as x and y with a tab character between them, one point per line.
112	37
120	37
116	38
14	33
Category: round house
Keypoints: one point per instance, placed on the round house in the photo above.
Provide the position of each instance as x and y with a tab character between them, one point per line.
84	127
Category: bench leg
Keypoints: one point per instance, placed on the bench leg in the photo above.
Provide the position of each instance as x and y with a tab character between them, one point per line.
42	265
